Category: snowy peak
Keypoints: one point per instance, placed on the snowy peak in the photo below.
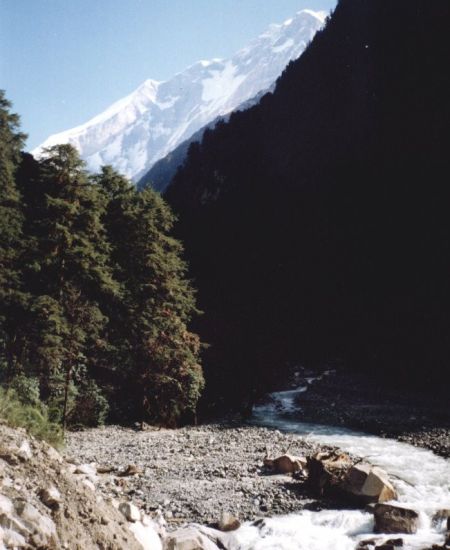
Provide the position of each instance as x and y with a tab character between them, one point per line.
141	128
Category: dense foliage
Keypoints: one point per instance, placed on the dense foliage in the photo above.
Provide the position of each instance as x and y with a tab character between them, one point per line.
94	299
316	223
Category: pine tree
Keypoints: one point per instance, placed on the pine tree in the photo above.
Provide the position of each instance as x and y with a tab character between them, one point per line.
164	371
12	298
72	276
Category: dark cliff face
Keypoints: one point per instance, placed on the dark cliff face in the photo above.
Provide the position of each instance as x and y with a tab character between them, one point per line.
316	222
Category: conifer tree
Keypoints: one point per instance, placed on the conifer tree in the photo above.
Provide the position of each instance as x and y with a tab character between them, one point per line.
164	371
71	255
12	298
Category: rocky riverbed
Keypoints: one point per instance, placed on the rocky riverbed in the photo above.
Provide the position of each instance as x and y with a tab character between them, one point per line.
194	473
343	398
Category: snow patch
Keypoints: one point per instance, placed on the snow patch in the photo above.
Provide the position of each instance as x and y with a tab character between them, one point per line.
222	83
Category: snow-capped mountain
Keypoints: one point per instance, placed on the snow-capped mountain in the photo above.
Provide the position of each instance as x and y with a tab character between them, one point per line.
143	127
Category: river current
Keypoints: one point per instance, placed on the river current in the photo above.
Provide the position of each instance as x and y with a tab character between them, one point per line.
422	481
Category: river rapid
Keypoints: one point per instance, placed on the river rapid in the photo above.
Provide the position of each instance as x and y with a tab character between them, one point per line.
422	481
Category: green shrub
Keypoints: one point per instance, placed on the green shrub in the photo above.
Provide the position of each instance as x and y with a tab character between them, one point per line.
34	418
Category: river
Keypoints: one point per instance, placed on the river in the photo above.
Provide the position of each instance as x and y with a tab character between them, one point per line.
422	481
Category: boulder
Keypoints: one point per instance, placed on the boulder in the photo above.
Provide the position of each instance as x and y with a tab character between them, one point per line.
369	484
286	464
228	522
50	496
130	511
188	538
395	519
24	452
327	471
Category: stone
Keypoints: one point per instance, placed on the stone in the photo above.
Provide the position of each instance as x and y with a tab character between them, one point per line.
228	522
51	497
369	484
88	483
130	511
86	469
395	519
188	538
395	542
131	470
42	527
24	452
11	539
6	506
327	471
146	534
286	464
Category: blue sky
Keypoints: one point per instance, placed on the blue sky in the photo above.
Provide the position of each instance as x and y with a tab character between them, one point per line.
64	61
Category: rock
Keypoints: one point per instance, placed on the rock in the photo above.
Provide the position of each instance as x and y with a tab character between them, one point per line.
88	483
86	469
42	527
369	484
146	534
12	539
51	497
188	538
395	542
440	516
327	471
286	464
228	522
130	511
6	506
24	452
394	519
131	470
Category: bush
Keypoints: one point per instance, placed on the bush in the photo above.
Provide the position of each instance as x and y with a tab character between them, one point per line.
34	418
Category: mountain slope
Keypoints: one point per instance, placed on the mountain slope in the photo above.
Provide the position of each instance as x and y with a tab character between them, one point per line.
316	223
145	126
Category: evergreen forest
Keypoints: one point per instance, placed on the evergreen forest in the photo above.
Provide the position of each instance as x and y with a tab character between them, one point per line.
94	296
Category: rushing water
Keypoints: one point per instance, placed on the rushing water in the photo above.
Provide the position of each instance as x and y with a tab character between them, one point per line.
421	479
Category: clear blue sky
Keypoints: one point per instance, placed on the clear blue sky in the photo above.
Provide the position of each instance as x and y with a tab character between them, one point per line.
64	61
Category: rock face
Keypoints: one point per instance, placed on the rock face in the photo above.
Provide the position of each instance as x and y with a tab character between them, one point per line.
394	519
45	504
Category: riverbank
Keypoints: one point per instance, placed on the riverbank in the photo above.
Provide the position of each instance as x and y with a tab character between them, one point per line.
354	401
195	473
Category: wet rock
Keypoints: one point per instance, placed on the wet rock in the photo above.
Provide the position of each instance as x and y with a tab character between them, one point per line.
228	522
327	471
395	519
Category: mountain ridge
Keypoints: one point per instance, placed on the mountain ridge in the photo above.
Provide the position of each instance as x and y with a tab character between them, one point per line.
147	124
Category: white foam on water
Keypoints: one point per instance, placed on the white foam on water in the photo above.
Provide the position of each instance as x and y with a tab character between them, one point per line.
421	479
